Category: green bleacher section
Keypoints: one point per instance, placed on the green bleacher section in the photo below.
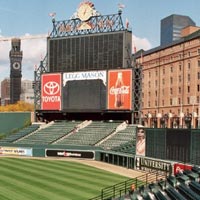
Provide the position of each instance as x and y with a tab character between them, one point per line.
128	147
99	134
20	134
91	134
49	134
120	139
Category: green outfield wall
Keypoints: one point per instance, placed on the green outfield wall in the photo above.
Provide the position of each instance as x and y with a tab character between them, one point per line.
13	121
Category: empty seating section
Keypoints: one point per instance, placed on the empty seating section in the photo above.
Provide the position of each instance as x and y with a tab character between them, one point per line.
51	133
90	134
23	132
174	194
188	193
120	138
173	188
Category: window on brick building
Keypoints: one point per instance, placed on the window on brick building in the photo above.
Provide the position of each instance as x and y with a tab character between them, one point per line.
198	88
156	83
170	102
179	101
197	99
188	88
163	102
188	100
149	84
179	90
188	77
171	80
188	65
198	63
179	78
163	70
171	91
198	75
180	67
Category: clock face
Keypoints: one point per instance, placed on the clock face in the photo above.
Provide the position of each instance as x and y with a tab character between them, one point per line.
16	65
84	12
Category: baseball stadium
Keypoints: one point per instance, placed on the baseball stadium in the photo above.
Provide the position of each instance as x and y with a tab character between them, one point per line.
86	141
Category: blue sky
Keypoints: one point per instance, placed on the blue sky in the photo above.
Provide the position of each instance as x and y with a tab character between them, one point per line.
21	17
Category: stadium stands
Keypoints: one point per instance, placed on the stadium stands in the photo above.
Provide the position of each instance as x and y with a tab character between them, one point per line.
119	138
117	135
20	134
182	186
50	134
90	134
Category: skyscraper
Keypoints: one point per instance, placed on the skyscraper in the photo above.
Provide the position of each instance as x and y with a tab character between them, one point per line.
171	27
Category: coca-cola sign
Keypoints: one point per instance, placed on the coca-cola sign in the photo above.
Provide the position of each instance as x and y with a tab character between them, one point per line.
119	89
51	92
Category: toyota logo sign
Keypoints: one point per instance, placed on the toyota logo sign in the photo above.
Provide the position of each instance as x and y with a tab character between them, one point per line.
51	88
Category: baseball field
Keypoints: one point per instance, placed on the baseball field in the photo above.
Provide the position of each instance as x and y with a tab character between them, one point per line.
42	179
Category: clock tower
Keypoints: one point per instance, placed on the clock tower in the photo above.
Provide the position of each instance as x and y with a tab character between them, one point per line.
15	70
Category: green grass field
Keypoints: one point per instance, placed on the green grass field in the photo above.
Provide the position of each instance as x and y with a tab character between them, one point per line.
40	179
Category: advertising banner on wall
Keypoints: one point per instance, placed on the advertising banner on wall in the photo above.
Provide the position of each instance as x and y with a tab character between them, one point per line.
87	75
15	151
152	165
51	92
70	153
119	89
140	141
180	167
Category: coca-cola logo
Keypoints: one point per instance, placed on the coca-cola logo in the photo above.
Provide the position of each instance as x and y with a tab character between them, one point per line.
121	90
51	88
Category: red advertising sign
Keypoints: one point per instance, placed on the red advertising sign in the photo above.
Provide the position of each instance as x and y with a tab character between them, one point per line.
179	168
51	92
119	89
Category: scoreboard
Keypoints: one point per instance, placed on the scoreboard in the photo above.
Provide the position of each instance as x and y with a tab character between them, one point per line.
98	51
87	91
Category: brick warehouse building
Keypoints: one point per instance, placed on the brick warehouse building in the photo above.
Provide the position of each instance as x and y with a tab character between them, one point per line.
171	82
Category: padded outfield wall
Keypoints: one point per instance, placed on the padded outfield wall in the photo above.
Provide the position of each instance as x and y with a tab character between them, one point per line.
12	121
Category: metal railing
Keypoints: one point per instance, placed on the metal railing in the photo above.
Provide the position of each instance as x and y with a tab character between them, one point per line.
122	188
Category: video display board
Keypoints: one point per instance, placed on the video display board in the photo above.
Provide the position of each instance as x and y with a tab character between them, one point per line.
51	91
84	91
120	89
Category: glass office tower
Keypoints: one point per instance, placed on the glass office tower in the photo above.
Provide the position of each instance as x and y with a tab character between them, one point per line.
171	27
